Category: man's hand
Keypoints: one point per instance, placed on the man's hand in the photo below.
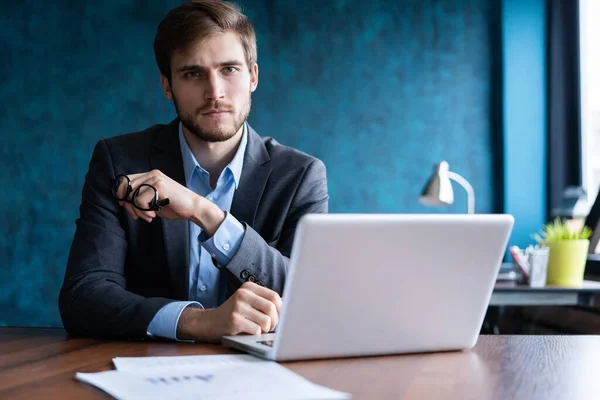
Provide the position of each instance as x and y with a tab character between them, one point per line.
183	203
252	309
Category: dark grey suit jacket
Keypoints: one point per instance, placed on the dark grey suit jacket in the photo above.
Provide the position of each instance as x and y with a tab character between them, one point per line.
120	271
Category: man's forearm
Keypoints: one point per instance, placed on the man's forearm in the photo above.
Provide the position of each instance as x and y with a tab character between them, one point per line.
164	323
193	324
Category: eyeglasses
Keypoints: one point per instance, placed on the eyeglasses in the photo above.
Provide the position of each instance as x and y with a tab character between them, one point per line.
121	189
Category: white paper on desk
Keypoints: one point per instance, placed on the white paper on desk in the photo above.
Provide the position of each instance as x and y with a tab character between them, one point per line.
254	381
136	364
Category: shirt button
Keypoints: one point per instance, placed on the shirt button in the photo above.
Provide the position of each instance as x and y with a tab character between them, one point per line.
203	288
226	246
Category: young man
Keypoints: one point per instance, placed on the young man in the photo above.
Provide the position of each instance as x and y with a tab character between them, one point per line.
186	229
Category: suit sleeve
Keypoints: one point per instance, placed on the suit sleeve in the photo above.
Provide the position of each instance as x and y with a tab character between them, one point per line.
255	259
93	300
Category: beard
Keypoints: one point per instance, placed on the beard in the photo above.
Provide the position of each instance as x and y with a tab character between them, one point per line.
219	131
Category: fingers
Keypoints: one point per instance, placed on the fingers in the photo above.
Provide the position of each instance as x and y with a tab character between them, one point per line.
150	178
144	176
153	178
265	293
147	216
258	320
250	310
262	306
145	195
241	324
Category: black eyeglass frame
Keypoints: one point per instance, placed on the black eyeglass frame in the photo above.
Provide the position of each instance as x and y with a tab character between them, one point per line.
154	205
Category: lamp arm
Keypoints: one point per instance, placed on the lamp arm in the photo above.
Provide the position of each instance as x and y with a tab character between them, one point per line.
467	186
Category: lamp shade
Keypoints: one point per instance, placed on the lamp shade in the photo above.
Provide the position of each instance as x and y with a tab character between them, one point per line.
438	190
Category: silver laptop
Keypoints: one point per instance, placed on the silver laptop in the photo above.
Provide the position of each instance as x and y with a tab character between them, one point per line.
373	284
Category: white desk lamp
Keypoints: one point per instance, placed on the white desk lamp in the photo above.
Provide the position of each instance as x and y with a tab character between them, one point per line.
438	190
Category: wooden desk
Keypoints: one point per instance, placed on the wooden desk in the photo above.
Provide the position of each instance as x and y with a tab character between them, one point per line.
41	363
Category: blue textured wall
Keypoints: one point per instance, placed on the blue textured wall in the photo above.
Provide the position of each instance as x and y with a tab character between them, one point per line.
380	90
524	105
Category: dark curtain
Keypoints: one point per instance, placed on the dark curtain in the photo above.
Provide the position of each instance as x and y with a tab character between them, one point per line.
497	113
564	131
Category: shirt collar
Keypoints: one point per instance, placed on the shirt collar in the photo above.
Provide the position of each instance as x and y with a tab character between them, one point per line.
190	163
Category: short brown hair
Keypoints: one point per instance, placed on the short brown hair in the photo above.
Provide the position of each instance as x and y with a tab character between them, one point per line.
197	20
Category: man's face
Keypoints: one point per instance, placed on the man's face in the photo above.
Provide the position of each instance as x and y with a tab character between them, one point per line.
211	86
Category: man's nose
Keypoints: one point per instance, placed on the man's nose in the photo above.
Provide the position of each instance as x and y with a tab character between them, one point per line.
215	89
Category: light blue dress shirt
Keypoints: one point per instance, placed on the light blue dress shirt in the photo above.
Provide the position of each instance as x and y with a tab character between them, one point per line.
206	288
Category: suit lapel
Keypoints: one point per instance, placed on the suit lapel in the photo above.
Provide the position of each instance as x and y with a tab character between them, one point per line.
167	159
253	180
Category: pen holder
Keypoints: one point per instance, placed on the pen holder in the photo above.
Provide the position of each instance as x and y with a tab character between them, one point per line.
538	264
533	264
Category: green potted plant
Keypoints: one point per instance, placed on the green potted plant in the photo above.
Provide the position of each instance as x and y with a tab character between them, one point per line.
568	252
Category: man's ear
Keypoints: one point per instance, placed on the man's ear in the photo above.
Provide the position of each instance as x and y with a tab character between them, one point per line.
254	78
166	87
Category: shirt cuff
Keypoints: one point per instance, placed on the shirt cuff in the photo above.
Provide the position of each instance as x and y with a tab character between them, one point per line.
225	242
164	323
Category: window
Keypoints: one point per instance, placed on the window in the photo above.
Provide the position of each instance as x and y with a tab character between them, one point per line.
589	32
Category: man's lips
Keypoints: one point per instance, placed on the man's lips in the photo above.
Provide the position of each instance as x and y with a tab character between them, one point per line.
215	112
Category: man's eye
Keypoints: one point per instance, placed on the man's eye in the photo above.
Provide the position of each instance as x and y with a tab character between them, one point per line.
192	74
230	70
